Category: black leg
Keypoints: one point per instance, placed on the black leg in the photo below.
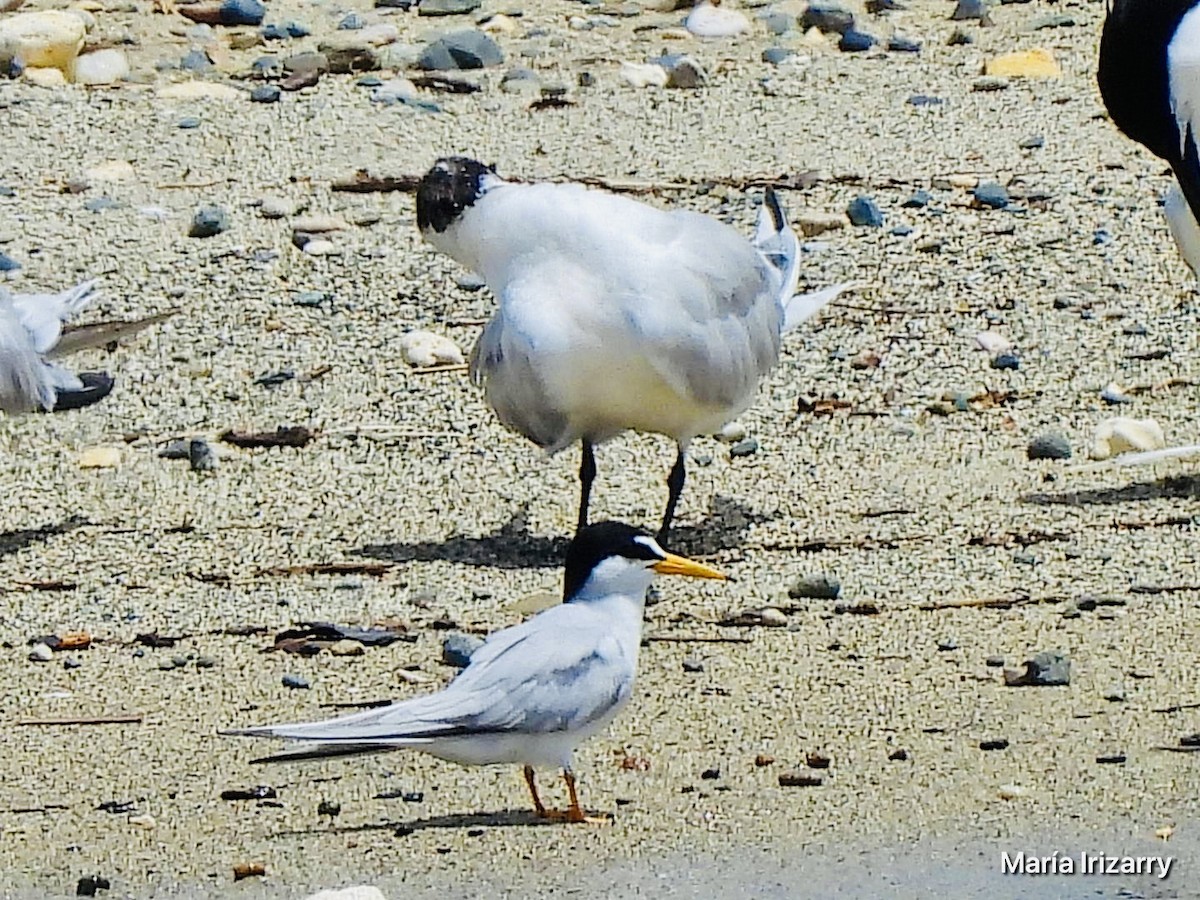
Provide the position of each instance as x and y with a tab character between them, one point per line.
587	474
675	486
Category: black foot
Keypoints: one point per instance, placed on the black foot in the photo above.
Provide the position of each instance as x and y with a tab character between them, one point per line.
96	386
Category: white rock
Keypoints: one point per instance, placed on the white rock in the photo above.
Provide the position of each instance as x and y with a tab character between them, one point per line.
100	67
41	653
1123	435
144	820
394	89
359	892
276	208
1010	791
44	77
708	19
347	647
993	343
50	39
321	247
424	349
642	75
320	224
100	458
199	90
499	24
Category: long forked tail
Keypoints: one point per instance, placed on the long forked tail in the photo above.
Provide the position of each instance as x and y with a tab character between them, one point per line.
777	242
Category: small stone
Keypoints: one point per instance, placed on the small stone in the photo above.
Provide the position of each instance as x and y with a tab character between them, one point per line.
918	200
777	55
458	647
959	38
470	282
447	7
208	221
731	433
995	744
106	66
358	892
276	208
1049	445
321	247
188	122
45	39
693	665
88	885
1113	394
947	645
1006	360
813	222
196	60
642	75
855	42
205	662
266	93
747	447
7	263
827	18
228	13
1010	791
683	72
898	43
819	586
1048	668
970	9
424	349
1033	142
994	662
709	20
898	755
201	455
467	49
988	84
41	652
777	22
990	195
800	779
295	682
864	212
349	53
521	81
144	820
347	647
1113	759
45	77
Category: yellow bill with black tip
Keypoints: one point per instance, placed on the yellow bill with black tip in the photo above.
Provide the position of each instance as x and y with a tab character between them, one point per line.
678	565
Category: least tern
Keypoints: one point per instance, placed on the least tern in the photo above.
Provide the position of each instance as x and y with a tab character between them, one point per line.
533	692
30	327
1149	77
614	315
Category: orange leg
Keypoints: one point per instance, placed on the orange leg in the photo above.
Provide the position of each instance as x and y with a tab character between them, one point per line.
537	801
575	812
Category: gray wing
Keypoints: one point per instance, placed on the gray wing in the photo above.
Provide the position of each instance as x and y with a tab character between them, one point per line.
556	672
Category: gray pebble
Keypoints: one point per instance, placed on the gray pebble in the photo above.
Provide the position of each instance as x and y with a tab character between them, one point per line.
1049	445
918	200
470	282
101	204
447	7
746	447
777	22
898	43
994	662
946	645
815	587
196	60
201	456
1033	142
8	264
970	9
352	22
691	664
959	38
1048	668
1006	360
295	682
208	222
864	212
458	647
991	194
266	93
776	55
828	18
855	42
189	122
466	49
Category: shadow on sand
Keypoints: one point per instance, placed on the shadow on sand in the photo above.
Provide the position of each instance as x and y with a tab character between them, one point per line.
504	818
17	540
512	546
1176	487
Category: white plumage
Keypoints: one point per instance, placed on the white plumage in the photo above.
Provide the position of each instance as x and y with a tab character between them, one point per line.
30	327
613	314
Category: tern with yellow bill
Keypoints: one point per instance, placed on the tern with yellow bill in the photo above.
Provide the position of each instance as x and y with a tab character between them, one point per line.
532	692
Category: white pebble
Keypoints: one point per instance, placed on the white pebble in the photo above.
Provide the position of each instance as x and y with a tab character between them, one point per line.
424	349
1123	435
1010	791
708	19
993	343
731	433
100	67
358	892
321	247
41	653
145	820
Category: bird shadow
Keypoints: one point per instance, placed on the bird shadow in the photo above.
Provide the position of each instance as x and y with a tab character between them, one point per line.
503	818
1174	487
21	538
513	546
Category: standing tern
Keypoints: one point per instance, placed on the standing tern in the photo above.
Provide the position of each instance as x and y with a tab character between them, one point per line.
533	692
613	314
1149	77
30	327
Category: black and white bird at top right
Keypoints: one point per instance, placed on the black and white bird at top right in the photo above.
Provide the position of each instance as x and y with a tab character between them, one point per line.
1149	77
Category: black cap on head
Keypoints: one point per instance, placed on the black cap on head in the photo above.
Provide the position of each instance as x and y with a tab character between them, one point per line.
598	541
447	189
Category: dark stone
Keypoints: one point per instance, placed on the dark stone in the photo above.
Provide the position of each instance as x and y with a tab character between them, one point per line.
745	447
448	7
7	263
458	647
776	55
996	744
467	49
828	18
1049	445
266	93
1046	669
295	682
208	221
815	587
1006	360
991	195
855	42
241	12
901	44
864	212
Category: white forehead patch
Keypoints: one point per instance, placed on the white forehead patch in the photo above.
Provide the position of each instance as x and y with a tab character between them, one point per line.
650	544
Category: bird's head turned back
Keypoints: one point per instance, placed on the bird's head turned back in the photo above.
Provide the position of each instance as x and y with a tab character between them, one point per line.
451	186
612	557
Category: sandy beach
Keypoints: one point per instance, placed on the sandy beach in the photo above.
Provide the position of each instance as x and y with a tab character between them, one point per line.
892	457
